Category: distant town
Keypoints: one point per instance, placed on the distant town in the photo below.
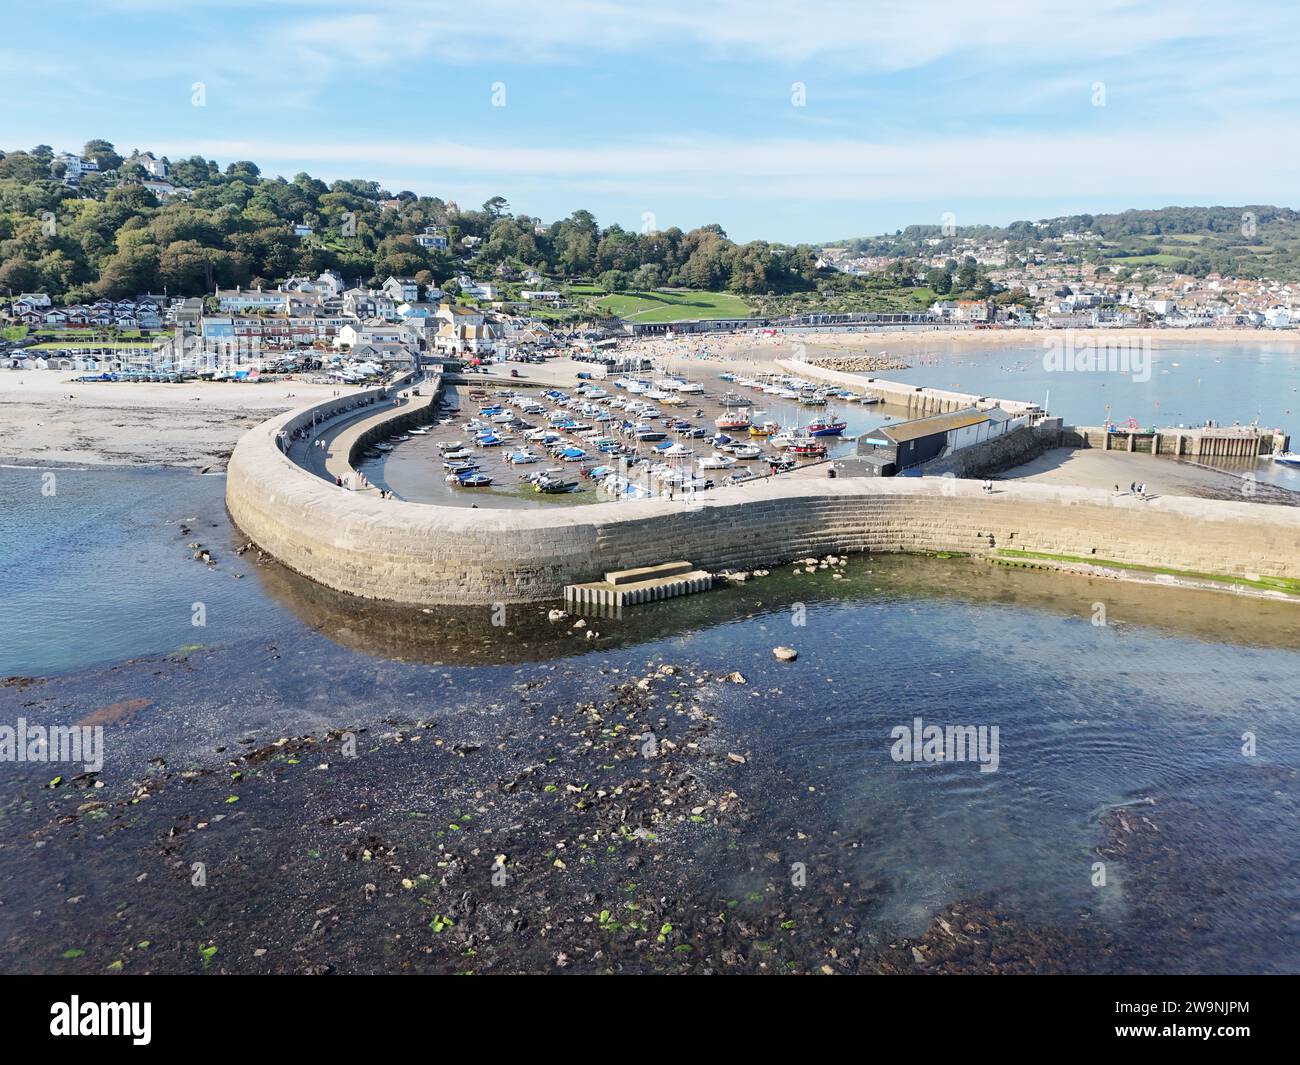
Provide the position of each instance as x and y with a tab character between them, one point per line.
1067	292
514	286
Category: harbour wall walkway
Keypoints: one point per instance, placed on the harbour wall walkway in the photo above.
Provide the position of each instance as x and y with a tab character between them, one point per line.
422	554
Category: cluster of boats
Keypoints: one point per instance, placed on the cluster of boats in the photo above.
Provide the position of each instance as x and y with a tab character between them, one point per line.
620	439
808	393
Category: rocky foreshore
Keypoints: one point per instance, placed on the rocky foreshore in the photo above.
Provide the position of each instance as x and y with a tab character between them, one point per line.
623	832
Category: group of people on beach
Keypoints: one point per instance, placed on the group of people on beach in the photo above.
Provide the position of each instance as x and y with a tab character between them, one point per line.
1136	489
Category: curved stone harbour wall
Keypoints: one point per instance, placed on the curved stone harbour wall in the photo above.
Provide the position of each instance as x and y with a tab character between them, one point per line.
423	554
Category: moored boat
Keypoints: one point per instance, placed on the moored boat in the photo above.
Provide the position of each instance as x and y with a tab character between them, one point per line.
829	425
470	478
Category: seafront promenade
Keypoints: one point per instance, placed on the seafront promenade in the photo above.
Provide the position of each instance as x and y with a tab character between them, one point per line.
424	554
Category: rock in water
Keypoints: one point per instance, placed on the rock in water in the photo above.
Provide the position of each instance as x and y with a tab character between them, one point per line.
785	654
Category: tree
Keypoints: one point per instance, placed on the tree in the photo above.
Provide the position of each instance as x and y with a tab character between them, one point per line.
18	275
130	271
648	277
243	170
613	281
104	154
938	281
496	206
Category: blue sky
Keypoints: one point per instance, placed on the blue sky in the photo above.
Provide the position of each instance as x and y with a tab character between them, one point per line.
682	113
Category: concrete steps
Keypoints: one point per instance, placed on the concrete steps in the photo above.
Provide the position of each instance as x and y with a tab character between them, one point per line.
644	584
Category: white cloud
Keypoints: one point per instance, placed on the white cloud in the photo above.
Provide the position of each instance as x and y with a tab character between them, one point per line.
1132	163
872	34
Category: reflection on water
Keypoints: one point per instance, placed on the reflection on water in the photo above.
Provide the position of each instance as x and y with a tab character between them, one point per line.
102	572
523	633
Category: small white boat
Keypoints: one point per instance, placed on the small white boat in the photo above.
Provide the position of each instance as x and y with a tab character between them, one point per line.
1288	458
717	461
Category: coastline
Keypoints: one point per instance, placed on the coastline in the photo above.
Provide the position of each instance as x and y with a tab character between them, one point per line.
319	865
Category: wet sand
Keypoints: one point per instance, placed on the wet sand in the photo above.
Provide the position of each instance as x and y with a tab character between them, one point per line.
51	419
413	470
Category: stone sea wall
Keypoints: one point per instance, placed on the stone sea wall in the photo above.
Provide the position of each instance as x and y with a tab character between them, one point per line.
423	554
919	401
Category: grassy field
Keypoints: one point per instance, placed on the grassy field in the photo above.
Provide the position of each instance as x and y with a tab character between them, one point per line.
672	305
1160	259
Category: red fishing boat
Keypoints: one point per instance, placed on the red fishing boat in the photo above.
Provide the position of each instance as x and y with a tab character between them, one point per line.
827	426
732	419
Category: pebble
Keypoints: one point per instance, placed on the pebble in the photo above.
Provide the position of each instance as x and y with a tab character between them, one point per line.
785	654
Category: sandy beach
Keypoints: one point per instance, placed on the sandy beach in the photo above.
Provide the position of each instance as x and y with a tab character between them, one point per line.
53	420
746	347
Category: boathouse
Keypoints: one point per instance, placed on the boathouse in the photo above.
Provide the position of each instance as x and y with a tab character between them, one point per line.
907	444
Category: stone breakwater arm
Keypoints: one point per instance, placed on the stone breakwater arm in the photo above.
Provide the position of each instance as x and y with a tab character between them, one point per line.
918	399
423	554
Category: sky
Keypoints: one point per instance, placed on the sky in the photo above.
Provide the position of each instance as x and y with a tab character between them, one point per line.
783	121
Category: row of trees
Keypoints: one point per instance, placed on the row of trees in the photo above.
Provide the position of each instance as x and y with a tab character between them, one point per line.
110	236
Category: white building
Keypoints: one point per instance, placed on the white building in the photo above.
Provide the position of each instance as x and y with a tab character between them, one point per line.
239	300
